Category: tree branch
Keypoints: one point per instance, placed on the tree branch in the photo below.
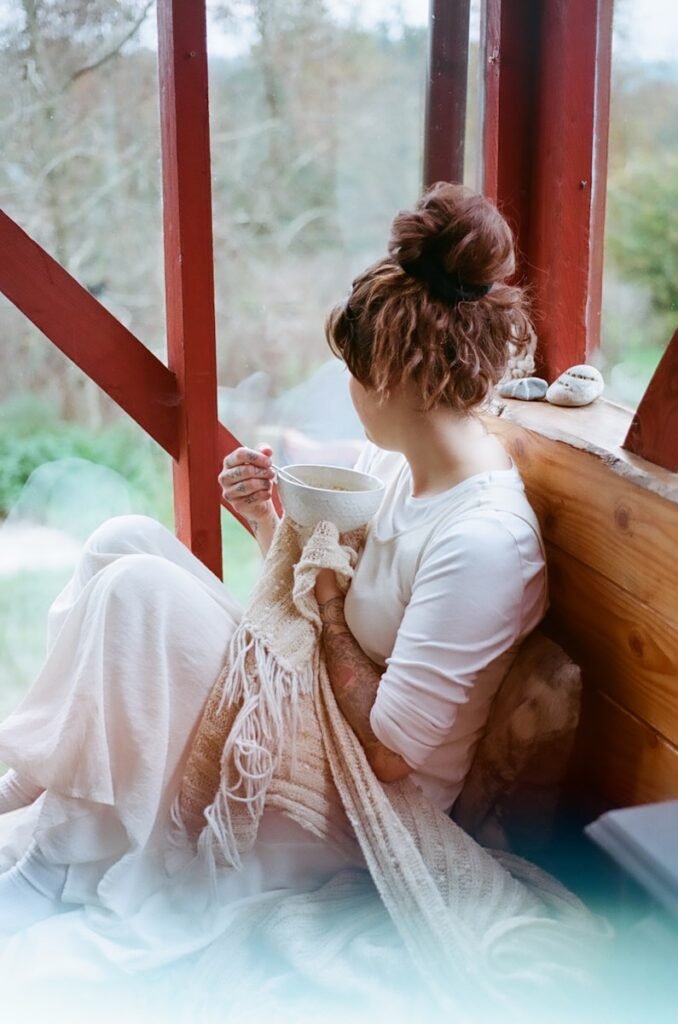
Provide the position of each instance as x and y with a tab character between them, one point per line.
115	49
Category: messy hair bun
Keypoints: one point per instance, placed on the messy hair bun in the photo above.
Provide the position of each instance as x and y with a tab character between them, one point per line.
437	311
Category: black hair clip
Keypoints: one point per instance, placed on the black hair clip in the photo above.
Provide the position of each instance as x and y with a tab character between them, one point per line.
448	287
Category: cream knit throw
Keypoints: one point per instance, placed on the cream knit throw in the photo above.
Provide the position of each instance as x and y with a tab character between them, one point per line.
481	929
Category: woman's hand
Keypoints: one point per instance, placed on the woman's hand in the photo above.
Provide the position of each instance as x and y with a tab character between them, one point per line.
247	484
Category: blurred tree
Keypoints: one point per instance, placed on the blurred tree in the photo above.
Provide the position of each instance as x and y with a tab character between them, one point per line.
315	141
643	228
68	149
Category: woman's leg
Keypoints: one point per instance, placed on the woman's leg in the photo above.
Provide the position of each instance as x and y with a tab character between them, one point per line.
119	536
130	535
137	641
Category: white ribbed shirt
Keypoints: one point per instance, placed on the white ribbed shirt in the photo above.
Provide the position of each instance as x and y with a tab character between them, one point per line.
445	589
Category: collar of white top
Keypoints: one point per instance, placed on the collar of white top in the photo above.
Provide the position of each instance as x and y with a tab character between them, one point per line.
504	476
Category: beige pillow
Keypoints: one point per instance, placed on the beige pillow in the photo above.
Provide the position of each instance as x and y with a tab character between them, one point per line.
510	795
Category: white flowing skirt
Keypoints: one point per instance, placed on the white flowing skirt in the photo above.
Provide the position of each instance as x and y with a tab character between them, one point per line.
135	642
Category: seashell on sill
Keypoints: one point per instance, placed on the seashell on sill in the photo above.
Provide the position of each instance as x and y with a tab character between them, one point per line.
580	385
528	389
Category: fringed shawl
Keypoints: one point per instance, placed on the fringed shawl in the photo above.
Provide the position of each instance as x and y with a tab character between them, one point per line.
482	929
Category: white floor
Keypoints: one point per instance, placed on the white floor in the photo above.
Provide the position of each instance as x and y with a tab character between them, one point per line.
27	548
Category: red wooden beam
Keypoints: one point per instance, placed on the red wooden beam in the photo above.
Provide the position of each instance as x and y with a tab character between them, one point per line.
510	50
89	335
446	95
546	71
94	340
653	433
189	278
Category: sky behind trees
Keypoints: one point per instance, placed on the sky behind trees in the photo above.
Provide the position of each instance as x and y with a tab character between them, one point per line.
646	29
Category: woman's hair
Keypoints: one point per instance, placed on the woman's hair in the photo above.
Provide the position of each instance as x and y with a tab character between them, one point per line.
437	311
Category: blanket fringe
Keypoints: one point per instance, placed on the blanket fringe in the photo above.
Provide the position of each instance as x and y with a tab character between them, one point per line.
267	694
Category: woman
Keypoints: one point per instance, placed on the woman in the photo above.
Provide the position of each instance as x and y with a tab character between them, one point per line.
451	578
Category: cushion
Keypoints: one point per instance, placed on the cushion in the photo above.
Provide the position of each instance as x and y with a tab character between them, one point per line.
510	794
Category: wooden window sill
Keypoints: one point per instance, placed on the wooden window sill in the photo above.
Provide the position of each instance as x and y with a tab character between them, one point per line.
599	429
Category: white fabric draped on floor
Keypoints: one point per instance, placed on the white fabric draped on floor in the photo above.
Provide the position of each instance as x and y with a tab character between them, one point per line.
135	642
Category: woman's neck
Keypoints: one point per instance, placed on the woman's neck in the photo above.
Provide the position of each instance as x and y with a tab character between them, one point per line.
443	449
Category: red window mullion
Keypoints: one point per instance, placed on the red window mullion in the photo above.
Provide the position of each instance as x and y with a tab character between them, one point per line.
546	76
189	275
445	126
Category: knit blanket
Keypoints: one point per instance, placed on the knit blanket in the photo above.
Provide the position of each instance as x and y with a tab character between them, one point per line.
484	932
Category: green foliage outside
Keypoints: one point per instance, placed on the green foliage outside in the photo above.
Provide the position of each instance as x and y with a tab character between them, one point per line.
31	436
643	240
640	296
24	601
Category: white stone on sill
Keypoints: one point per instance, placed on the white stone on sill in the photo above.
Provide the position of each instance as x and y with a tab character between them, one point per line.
580	385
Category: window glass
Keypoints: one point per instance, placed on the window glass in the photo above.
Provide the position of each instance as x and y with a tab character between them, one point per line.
317	127
81	145
640	285
474	92
80	173
317	120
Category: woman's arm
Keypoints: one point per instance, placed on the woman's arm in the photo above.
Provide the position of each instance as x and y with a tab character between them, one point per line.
354	678
264	529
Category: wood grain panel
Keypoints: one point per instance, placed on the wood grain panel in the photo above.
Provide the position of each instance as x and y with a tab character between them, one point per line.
629	651
620	758
599	428
624	532
611	526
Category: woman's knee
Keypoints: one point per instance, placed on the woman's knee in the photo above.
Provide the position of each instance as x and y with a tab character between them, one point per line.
140	573
126	535
149	589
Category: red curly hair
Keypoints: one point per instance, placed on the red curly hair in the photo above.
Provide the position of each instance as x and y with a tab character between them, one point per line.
437	311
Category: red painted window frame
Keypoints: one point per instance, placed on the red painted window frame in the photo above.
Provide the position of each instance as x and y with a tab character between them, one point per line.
175	404
546	73
546	77
445	119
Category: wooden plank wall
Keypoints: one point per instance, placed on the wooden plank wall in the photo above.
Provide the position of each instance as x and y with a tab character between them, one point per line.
612	548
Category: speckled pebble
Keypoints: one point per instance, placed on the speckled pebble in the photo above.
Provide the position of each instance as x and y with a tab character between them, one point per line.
528	389
580	385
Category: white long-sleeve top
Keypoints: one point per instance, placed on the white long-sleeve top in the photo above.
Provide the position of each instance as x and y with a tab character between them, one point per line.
445	589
